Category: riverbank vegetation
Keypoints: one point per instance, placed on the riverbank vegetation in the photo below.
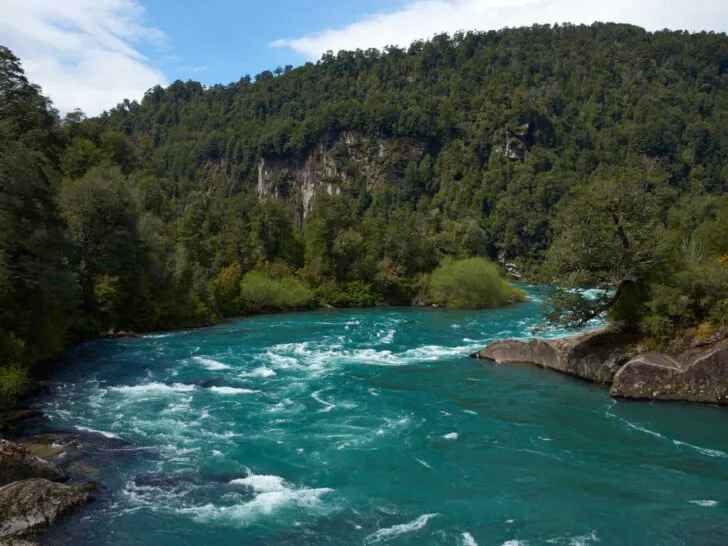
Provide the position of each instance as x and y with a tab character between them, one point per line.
582	155
474	283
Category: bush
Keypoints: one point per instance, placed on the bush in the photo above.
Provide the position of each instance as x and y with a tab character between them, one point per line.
348	294
471	284
226	290
260	293
14	381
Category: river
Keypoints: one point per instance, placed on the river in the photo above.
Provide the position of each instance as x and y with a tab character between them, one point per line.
373	427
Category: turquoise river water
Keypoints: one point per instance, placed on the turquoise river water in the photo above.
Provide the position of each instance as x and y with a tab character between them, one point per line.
371	427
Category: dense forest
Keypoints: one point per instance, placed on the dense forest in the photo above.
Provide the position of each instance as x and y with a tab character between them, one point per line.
580	155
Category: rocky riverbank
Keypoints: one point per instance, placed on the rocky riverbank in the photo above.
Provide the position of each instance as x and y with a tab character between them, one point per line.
32	495
42	477
699	373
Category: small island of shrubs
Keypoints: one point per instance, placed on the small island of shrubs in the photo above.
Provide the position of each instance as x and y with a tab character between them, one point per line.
474	283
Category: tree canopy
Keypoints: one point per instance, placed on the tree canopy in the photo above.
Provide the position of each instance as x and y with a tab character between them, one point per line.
586	156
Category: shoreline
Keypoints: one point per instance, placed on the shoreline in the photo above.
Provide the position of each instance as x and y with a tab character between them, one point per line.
597	355
608	357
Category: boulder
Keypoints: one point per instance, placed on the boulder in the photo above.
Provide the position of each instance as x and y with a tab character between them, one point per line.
595	356
691	377
17	463
28	506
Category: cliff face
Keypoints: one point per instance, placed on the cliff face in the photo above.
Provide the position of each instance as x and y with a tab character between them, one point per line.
332	165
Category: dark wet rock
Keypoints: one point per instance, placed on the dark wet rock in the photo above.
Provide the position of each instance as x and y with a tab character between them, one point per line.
22	414
28	506
167	480
695	376
595	356
14	420
173	480
81	468
17	463
121	334
206	383
83	454
16	542
209	382
79	440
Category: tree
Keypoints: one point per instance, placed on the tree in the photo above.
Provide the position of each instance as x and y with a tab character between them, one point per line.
607	236
36	288
106	257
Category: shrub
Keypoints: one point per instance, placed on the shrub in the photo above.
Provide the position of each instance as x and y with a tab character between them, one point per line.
260	293
472	284
14	381
348	294
226	290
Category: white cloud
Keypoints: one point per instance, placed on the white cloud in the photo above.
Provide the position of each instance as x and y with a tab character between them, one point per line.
424	18
84	53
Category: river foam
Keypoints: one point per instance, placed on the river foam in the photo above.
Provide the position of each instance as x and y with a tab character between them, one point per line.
211	364
389	533
327	428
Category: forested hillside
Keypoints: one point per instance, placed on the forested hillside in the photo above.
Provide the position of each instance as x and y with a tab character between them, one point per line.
585	155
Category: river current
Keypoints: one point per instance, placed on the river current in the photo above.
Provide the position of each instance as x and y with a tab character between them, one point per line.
371	427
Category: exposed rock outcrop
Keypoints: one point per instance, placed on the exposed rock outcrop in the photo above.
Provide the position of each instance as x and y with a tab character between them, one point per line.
17	463
604	356
297	181
595	356
31	505
701	377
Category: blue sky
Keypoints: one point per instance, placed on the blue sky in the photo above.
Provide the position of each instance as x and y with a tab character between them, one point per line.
92	54
221	40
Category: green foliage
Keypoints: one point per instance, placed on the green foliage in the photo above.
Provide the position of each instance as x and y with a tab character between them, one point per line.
473	283
346	294
226	290
37	289
260	293
596	155
14	382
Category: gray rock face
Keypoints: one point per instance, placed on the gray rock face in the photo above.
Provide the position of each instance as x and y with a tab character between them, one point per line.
701	377
31	505
297	181
595	356
17	463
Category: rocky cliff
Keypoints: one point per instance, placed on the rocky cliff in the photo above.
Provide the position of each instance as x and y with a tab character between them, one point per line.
604	356
352	157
